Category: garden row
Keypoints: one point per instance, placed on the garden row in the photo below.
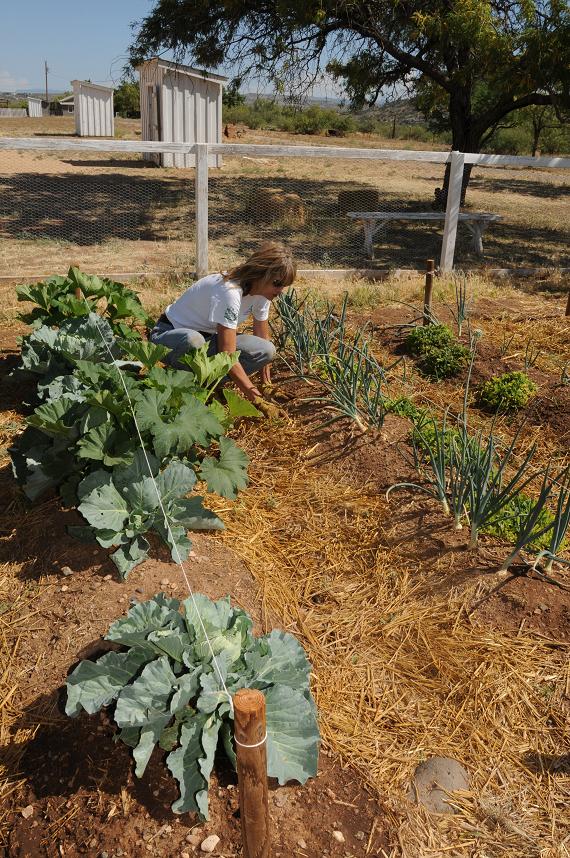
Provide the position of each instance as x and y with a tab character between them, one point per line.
125	440
478	478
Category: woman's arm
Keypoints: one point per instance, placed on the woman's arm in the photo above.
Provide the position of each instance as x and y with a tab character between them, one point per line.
227	343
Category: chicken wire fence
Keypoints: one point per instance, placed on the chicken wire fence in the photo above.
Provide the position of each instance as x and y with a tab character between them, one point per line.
112	208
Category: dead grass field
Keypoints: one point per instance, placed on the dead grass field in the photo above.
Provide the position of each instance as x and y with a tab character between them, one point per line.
113	213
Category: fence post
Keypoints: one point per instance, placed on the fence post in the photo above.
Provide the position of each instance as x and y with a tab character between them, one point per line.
250	733
452	211
201	209
568	304
430	266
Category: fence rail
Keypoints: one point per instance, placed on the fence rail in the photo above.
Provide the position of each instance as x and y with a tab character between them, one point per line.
299	205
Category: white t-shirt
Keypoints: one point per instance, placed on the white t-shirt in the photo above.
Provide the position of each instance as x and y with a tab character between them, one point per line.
213	301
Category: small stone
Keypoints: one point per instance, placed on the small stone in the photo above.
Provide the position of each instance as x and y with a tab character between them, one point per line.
301	844
164	582
280	799
536	610
66	570
107	577
360	835
64	589
194	838
339	836
155	793
542	606
139	590
103	855
27	811
210	843
184	855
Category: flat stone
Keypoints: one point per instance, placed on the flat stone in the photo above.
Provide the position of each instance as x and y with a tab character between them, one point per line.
27	811
434	778
210	843
66	570
194	838
280	799
301	844
338	836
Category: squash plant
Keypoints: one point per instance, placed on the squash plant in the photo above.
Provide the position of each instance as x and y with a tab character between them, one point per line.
82	439
166	689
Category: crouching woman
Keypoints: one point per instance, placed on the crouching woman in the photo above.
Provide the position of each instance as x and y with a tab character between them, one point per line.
212	309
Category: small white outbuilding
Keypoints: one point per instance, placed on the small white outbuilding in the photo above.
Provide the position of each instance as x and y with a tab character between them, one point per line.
93	108
35	107
180	104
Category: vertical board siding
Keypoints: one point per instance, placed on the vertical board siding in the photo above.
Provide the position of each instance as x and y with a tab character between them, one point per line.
35	107
189	106
93	110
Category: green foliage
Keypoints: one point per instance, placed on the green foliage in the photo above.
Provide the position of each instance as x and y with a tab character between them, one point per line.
126	99
56	301
167	687
437	352
81	437
507	523
506	393
472	64
231	96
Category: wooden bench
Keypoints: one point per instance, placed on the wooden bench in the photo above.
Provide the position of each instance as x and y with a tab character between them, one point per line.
476	223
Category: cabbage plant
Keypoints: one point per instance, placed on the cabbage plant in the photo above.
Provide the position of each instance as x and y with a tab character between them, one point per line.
166	689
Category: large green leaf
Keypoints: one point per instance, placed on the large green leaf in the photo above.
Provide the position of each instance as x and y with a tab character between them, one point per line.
193	423
192	762
147	353
193	514
292	735
208	369
108	444
94	684
130	555
281	662
57	417
158	613
228	473
145	704
239	406
103	507
175	481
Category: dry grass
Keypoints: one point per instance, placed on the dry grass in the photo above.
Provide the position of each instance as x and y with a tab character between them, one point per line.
399	674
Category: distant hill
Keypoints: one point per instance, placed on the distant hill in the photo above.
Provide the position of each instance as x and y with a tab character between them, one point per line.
402	110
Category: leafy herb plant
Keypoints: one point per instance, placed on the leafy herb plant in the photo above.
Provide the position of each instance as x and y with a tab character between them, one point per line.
168	687
437	353
506	393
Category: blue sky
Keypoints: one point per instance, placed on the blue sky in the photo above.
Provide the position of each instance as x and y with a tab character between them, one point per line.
87	41
78	39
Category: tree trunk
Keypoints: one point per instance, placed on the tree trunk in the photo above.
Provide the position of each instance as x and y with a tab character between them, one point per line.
463	140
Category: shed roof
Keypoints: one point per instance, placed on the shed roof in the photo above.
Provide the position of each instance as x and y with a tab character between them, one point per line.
92	85
187	70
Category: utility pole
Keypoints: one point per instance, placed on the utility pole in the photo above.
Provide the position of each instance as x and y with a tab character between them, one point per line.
46	70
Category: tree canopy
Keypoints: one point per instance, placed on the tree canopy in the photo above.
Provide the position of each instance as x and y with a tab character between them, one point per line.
470	63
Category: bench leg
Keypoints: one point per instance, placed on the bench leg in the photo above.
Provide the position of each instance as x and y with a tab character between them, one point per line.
368	236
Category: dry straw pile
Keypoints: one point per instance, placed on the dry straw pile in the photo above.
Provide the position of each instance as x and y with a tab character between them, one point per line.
401	674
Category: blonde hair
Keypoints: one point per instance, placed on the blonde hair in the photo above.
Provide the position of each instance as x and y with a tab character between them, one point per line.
271	261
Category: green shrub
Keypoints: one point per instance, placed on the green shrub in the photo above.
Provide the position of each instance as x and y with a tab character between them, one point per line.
506	393
506	525
426	337
439	354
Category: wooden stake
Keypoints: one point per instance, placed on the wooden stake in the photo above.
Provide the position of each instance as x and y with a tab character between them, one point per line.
249	729
568	304
430	267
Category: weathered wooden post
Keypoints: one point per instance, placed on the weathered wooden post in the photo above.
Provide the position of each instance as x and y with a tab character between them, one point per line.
568	304
452	211
430	268
201	191
250	738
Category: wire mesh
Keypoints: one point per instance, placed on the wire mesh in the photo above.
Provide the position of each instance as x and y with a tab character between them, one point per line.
306	203
534	209
106	211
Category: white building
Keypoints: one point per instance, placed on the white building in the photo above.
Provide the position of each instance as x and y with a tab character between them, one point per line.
35	107
180	104
93	109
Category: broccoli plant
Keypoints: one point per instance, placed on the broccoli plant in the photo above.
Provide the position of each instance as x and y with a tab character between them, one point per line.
506	393
170	684
437	353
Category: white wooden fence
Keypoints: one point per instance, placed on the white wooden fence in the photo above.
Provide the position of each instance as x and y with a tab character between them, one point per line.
204	151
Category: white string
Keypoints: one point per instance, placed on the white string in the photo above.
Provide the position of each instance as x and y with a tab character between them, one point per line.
256	745
166	521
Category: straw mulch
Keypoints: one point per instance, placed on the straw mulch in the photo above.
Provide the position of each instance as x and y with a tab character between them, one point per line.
16	619
400	674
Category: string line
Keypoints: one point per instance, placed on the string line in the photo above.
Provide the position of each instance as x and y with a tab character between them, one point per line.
175	550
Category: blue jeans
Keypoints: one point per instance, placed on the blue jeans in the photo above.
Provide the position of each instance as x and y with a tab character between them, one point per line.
255	352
